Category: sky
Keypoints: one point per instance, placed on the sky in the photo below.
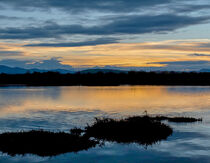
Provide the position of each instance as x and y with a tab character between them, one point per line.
134	34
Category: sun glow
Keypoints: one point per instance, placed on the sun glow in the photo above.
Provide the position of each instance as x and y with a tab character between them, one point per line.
146	54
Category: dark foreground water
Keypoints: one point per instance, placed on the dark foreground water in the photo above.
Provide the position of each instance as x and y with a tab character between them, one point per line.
61	108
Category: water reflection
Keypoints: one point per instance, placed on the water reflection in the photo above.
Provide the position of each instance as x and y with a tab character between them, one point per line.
61	108
122	99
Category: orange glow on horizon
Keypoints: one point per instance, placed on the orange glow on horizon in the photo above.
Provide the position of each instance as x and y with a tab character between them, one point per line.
145	54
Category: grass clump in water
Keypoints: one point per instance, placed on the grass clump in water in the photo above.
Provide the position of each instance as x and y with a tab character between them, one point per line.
143	130
43	143
178	119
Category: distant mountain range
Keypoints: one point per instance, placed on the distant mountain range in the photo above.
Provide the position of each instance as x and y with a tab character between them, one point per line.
93	71
17	70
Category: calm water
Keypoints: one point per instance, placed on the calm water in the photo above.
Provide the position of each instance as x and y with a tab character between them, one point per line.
61	108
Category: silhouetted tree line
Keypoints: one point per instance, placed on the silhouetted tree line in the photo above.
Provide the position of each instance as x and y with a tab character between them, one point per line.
107	79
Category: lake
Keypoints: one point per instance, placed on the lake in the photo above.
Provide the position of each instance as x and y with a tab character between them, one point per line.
62	108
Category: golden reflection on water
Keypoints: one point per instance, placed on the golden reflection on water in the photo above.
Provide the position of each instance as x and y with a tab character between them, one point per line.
120	99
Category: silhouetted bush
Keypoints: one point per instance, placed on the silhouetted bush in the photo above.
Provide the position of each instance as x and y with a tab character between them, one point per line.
142	130
43	143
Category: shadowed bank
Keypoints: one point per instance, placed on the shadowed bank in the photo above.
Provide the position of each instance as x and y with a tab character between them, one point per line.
106	79
143	130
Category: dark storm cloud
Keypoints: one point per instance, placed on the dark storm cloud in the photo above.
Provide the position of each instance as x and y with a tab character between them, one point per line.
105	5
148	24
81	5
184	65
53	63
10	53
204	45
134	24
3	17
189	8
77	44
14	18
28	32
184	62
199	55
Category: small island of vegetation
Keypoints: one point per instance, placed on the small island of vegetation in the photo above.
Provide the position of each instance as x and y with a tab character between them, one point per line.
144	130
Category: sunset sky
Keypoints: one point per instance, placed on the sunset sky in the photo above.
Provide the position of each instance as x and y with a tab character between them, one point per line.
130	34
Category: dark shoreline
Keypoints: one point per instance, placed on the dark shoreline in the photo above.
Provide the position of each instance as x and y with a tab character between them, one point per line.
106	79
